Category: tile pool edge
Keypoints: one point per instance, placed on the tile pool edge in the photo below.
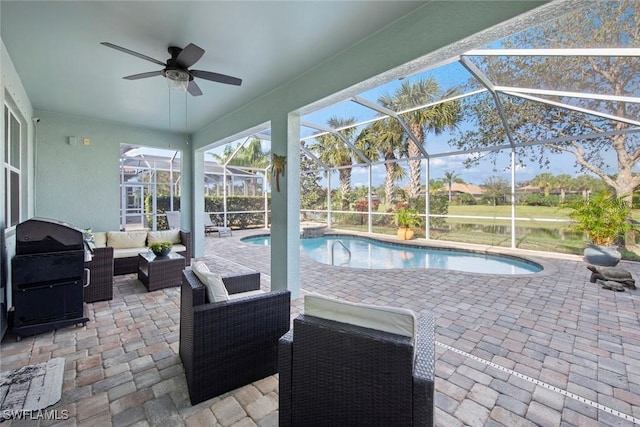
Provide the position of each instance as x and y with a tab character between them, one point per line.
547	267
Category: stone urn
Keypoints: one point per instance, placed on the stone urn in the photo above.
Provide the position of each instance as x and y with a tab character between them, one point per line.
606	256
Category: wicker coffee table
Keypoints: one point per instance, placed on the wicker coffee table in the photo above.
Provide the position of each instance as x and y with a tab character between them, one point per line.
160	272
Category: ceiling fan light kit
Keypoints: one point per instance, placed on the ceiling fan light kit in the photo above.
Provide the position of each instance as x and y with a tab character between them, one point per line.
177	80
176	69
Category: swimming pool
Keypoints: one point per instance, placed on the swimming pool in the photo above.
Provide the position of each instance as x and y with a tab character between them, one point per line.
374	254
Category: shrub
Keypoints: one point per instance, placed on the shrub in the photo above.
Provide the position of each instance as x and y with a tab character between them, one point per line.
541	200
466	199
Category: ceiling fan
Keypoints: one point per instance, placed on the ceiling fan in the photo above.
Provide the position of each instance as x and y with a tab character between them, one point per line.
176	70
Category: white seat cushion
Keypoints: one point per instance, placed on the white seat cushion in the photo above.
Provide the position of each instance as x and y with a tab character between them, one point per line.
395	320
216	291
129	252
178	248
132	252
126	239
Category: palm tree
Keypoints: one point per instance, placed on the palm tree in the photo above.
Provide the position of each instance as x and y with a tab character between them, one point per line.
248	155
251	155
564	182
589	184
384	138
333	152
450	177
437	118
545	180
435	185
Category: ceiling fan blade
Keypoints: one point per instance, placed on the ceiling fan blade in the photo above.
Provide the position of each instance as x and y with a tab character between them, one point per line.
143	75
215	77
131	52
194	89
189	55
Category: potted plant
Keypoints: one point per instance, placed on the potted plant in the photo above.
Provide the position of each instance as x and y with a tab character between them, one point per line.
604	218
161	248
406	219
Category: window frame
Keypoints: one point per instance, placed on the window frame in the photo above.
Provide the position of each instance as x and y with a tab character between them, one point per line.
11	166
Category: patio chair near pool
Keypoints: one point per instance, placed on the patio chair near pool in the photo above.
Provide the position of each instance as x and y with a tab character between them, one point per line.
173	219
351	364
231	341
210	227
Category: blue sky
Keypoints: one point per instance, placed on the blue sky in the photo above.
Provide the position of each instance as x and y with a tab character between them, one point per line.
452	75
448	77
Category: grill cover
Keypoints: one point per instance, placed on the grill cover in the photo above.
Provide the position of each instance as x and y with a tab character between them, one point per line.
40	235
47	276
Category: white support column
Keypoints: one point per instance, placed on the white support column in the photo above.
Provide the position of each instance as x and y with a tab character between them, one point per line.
224	196
427	202
266	199
369	200
197	204
513	198
328	199
285	207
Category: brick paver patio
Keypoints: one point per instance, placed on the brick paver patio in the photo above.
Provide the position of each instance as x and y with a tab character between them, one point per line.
548	349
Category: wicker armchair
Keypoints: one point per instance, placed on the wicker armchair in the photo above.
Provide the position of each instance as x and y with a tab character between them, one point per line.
100	285
226	345
334	373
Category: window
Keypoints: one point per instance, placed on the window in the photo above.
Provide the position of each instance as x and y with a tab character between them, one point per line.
149	186
11	167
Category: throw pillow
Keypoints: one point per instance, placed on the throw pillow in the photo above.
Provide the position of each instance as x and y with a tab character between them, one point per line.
216	291
172	236
126	239
100	239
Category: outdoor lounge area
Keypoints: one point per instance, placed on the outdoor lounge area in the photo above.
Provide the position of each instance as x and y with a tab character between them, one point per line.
504	135
547	349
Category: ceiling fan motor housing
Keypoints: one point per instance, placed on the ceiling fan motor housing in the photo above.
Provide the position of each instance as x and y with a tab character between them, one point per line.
177	74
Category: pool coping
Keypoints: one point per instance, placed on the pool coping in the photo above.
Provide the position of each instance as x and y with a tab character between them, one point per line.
528	256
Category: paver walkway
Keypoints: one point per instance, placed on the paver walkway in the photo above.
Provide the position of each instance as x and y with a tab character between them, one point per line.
547	349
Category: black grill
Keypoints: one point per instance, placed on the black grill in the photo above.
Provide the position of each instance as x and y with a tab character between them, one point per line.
47	276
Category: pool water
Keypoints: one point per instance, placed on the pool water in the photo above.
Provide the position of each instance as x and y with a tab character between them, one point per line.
372	254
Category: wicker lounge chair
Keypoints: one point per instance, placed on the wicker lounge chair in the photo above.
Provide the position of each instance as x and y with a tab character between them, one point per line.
333	373
226	345
210	227
173	219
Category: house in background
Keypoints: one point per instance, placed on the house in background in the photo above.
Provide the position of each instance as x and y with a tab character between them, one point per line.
458	188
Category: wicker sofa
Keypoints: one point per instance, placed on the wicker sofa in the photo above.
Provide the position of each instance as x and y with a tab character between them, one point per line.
128	244
225	345
338	373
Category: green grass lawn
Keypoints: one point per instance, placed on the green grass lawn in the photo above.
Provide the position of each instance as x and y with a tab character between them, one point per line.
505	211
521	211
546	236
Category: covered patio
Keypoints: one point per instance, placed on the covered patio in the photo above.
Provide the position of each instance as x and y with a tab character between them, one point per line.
544	349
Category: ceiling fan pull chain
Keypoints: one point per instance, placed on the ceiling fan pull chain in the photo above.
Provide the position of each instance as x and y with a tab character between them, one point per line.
186	135
169	108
